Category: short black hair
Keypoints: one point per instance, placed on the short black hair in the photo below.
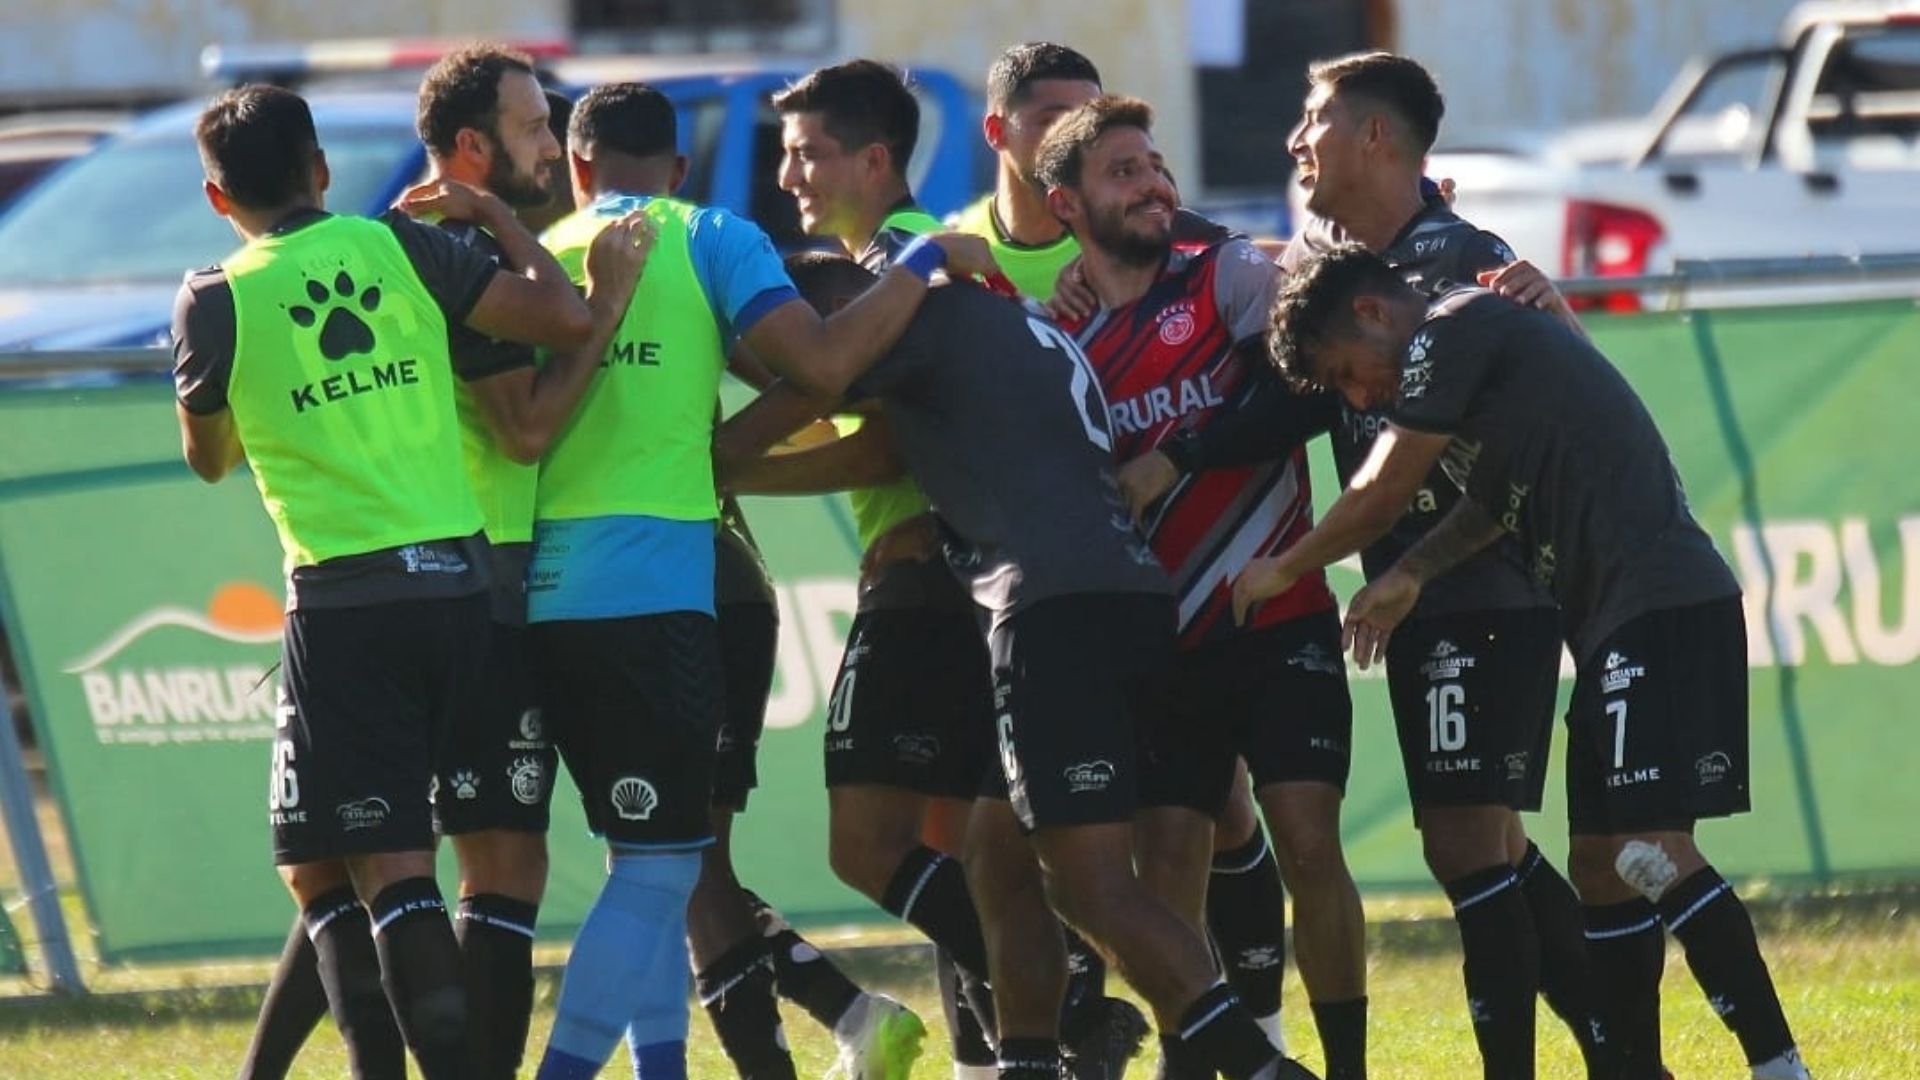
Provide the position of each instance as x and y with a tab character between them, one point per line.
1063	152
824	278
860	102
1318	300
1387	79
631	118
462	90
258	144
1012	76
559	114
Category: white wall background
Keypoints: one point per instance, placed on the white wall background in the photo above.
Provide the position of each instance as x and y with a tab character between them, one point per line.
1506	64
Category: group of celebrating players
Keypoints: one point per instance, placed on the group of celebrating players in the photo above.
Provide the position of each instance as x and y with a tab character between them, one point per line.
1094	643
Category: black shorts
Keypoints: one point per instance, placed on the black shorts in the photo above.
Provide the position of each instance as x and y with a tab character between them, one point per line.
1078	683
498	766
1657	733
367	696
634	706
1473	695
1276	696
748	637
912	705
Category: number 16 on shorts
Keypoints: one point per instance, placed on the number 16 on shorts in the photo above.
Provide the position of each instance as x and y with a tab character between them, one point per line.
1446	717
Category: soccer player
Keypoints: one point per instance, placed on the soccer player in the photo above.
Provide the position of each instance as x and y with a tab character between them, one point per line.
1169	344
484	121
1029	87
622	581
1474	675
909	712
995	412
318	354
1553	448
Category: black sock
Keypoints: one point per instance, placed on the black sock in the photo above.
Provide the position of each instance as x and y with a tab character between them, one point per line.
1247	916
970	1045
1084	1006
1224	1035
295	1001
737	992
1711	924
1501	966
495	933
420	967
1029	1059
803	974
1565	980
349	968
1343	1036
1181	1060
1626	952
929	890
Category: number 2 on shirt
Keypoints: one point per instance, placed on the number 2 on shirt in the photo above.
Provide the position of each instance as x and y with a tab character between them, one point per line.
1085	388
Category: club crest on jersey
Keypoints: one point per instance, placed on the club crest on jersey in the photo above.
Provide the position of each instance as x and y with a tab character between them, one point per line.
1176	323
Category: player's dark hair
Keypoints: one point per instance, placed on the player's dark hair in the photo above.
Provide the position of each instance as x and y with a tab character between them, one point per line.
1011	77
1063	152
257	143
630	118
825	280
559	114
1389	80
462	90
1317	302
860	102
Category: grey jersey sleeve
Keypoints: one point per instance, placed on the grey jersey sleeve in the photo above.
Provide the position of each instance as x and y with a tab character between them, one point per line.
454	273
203	341
1245	283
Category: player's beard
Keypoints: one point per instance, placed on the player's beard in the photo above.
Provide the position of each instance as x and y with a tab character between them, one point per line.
520	190
1107	228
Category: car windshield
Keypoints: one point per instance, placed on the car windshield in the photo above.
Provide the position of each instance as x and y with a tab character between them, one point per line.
133	211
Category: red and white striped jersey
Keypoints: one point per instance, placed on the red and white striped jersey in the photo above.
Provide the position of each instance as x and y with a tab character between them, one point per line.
1168	362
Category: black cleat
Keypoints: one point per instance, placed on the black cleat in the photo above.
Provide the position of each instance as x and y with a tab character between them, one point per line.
1109	1043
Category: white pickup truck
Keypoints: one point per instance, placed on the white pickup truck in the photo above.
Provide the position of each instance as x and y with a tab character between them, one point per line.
1811	147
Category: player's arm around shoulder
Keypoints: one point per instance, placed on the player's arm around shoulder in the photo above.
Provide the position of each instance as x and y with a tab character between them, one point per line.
528	408
536	305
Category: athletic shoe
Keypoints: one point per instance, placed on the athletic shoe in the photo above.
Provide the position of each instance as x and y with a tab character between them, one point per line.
1103	1052
881	1040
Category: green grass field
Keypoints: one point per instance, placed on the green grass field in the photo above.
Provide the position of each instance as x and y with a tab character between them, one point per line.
1849	972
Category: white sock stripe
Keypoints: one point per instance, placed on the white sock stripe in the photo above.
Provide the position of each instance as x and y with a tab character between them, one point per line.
495	921
1508	882
1212	1015
913	894
721	990
1251	863
408	908
1694	908
1623	931
316	925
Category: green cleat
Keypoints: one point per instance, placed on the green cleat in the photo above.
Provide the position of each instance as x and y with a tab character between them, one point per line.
881	1040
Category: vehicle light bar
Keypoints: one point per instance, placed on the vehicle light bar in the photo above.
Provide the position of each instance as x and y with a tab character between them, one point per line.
234	63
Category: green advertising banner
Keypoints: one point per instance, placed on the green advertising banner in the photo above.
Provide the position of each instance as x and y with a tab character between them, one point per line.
143	607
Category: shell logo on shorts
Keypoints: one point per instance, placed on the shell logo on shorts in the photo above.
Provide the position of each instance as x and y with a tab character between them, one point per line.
633	798
528	780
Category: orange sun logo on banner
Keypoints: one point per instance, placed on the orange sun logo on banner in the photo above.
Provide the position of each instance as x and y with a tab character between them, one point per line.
240	611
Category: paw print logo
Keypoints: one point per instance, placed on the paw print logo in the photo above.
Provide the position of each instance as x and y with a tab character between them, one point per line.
343	332
465	785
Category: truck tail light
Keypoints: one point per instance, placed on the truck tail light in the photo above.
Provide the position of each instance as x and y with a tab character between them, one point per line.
1604	240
